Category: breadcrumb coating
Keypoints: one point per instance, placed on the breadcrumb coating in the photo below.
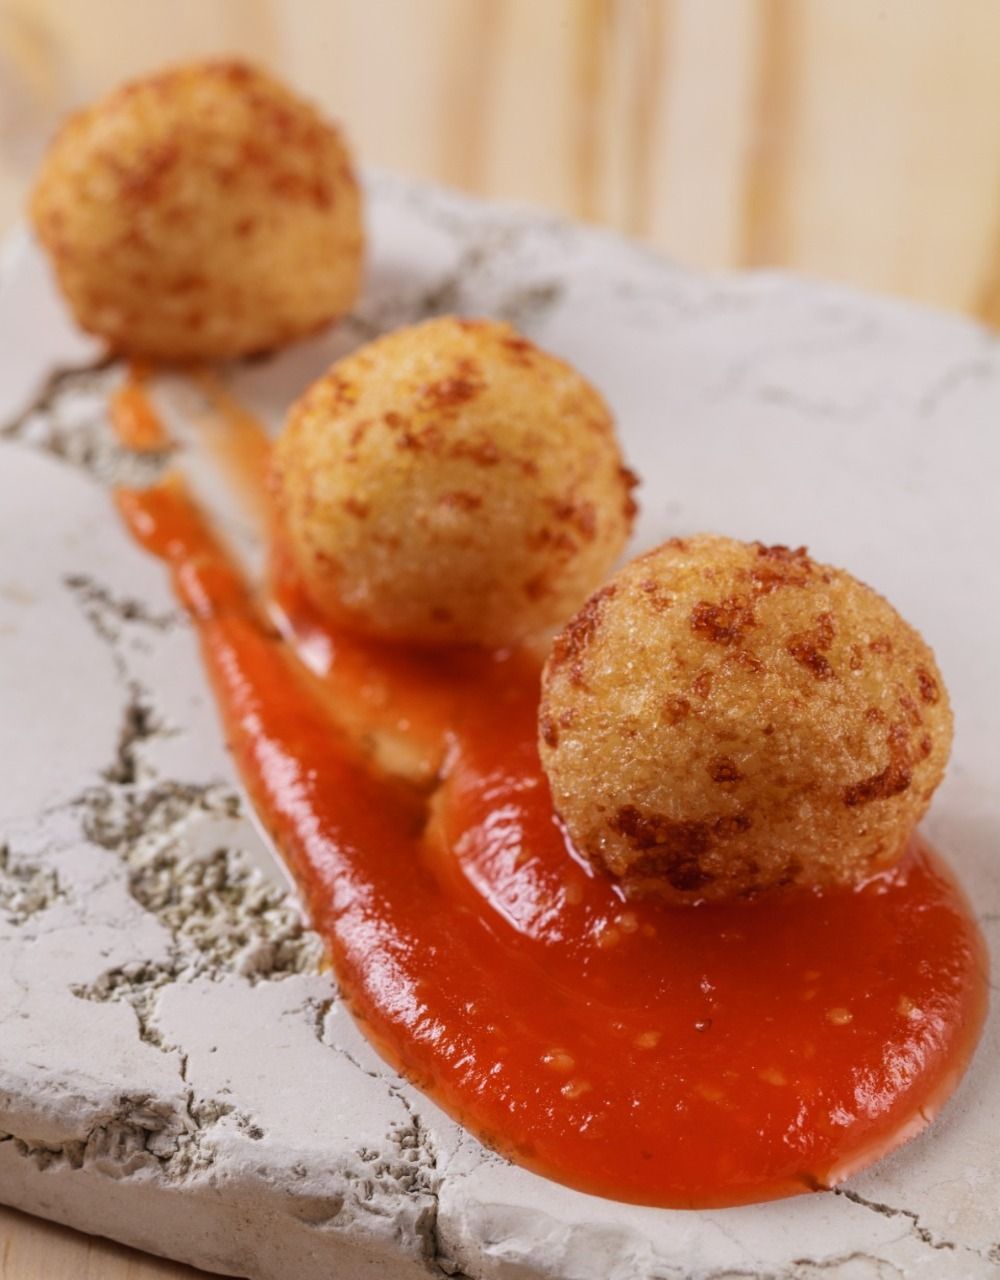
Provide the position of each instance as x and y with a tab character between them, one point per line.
724	718
201	213
452	483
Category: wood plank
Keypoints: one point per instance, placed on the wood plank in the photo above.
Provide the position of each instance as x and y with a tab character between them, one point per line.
31	1249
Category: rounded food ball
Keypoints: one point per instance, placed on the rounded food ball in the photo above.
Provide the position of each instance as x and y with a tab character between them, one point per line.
451	483
725	717
201	213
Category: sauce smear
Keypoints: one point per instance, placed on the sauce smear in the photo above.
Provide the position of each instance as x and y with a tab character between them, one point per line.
134	420
684	1057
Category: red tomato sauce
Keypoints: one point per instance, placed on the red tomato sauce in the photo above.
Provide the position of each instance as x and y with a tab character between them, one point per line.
133	419
683	1057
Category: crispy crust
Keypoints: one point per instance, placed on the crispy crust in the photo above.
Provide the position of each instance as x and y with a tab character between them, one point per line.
201	213
452	483
725	718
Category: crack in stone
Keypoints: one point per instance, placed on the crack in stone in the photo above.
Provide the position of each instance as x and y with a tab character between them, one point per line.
103	609
25	887
138	985
139	724
142	1132
139	721
954	379
521	305
917	1229
529	304
223	915
414	1171
411	1168
804	1267
48	393
416	1146
68	420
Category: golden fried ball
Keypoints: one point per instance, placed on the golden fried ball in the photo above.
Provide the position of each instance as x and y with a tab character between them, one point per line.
201	213
725	717
451	483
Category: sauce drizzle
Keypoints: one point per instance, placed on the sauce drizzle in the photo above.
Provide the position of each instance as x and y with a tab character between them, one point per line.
134	420
683	1057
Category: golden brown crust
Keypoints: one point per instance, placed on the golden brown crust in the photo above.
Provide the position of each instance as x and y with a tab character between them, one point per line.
725	717
201	213
452	483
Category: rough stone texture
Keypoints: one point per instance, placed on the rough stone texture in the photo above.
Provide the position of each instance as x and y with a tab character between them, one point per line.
176	1071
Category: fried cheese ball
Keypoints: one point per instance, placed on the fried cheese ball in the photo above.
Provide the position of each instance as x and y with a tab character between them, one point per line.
452	483
724	718
201	213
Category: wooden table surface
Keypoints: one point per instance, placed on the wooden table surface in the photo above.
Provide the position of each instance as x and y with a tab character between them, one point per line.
852	139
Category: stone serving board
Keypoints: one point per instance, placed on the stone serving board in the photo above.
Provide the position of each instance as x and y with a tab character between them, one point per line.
176	1070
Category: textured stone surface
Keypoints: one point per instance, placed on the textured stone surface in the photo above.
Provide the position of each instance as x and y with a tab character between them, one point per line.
175	1069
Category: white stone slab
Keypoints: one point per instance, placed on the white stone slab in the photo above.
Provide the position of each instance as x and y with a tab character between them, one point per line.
175	1070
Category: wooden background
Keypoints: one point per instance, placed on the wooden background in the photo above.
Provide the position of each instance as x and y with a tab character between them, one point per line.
854	139
858	139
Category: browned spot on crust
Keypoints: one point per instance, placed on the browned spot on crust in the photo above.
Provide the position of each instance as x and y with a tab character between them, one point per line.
519	349
808	648
461	500
558	539
538	586
144	178
548	729
733	824
893	780
631	482
890	781
417	439
187	283
780	566
724	769
449	393
857	659
355	507
881	644
810	658
929	691
702	684
572	642
671	849
582	516
676	709
331	564
483	451
780	552
344	392
724	622
655	596
911	709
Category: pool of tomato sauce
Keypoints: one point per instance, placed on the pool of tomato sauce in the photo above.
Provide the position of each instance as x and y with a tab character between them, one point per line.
682	1057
